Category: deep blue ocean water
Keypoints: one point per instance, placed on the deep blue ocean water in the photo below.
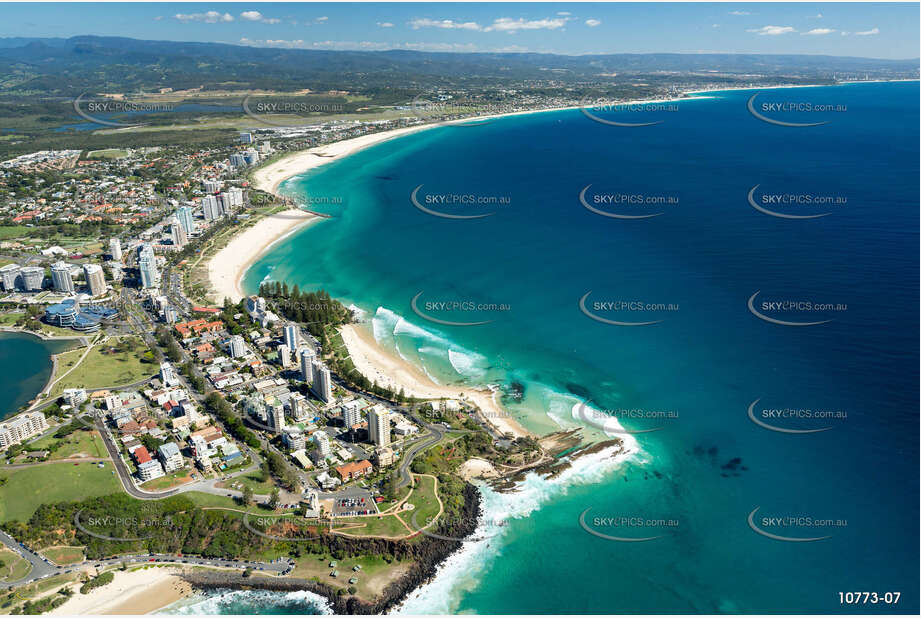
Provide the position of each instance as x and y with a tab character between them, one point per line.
708	466
26	363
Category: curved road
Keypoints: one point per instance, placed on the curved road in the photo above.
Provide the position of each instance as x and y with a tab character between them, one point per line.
204	485
43	568
437	433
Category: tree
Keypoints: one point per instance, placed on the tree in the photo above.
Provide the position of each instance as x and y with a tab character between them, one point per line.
264	472
247	495
274	499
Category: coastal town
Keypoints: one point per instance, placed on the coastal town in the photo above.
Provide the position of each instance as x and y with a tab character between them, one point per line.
218	398
176	384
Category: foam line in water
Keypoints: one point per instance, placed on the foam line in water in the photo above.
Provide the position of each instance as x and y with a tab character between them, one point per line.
462	569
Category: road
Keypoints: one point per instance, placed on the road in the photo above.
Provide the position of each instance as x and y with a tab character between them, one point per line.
203	485
435	435
43	568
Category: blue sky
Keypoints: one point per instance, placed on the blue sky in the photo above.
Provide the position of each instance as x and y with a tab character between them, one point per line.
842	29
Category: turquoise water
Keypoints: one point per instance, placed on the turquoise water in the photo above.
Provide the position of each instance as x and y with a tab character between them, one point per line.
26	366
708	466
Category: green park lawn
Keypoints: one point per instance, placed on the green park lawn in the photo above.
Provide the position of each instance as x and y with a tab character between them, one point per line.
173	479
12	566
85	442
374	574
251	480
63	554
27	488
424	500
104	366
385	525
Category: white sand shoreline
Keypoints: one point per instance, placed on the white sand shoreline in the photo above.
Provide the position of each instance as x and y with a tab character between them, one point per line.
370	358
387	369
269	177
140	591
228	266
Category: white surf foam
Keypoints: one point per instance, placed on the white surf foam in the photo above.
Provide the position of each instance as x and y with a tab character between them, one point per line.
467	364
463	569
216	604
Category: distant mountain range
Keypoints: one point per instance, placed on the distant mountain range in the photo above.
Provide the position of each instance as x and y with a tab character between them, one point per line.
63	67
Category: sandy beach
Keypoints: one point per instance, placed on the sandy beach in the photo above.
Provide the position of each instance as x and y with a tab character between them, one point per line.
390	370
476	468
269	177
227	267
132	592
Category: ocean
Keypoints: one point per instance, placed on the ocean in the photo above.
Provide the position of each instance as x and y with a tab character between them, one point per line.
26	363
759	331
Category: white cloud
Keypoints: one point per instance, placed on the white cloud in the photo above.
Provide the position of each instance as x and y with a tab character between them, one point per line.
870	32
820	31
257	16
591	23
819	16
502	24
739	13
324	18
446	24
385	24
211	17
716	25
564	13
844	33
376	45
507	24
772	30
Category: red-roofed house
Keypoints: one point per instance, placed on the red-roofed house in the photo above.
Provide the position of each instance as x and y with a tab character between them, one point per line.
141	455
354	470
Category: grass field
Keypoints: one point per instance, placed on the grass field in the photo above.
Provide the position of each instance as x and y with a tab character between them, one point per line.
200	498
174	479
260	488
424	500
36	589
373	577
103	366
56	331
13	231
8	319
399	495
86	442
63	555
386	525
14	567
108	153
27	488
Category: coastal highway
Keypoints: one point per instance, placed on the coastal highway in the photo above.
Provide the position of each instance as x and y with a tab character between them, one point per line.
42	568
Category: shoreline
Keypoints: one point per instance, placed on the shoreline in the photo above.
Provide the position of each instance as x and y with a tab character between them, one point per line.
228	266
141	591
269	178
35	400
387	369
